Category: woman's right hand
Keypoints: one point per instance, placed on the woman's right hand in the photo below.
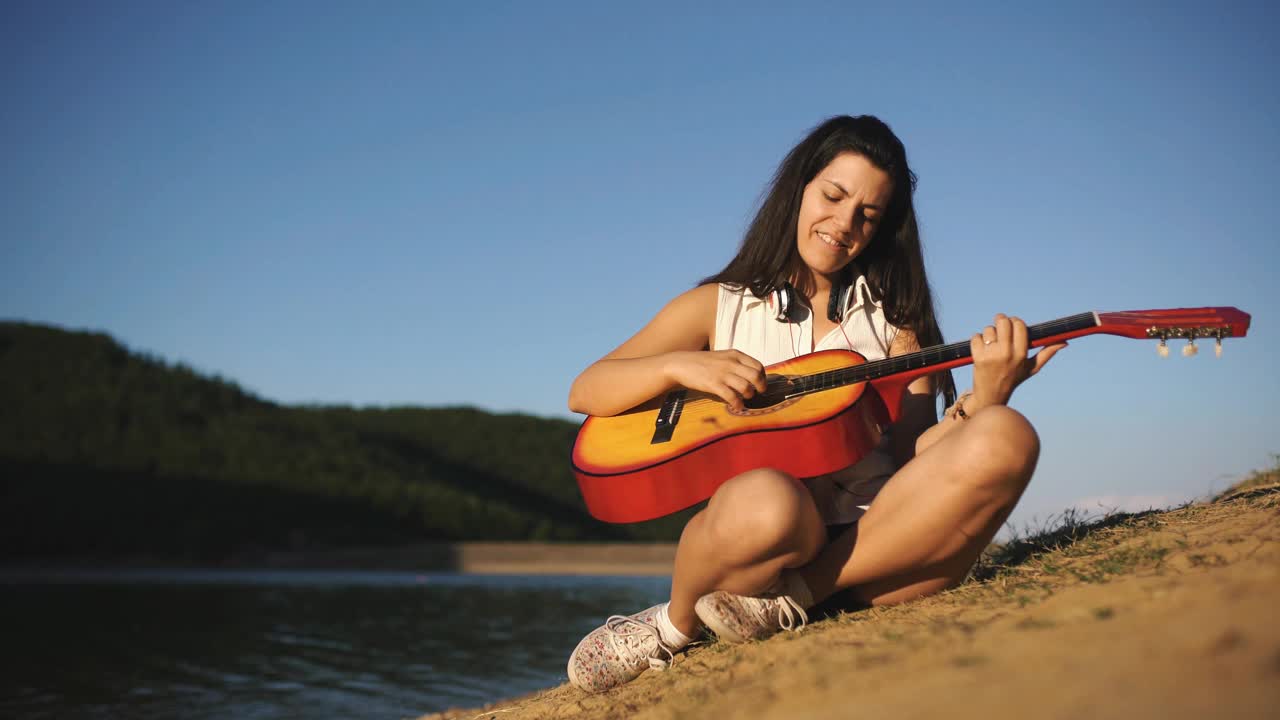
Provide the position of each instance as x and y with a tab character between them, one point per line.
728	374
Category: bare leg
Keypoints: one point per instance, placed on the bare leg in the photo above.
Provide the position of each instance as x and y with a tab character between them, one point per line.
756	524
930	522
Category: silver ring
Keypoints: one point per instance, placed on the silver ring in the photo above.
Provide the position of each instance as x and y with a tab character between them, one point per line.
987	342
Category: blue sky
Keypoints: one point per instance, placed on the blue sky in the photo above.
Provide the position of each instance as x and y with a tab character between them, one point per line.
432	204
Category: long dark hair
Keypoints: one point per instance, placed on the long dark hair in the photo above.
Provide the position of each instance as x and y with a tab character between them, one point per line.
893	262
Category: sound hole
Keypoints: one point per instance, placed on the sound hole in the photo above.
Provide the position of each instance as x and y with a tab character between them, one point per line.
773	398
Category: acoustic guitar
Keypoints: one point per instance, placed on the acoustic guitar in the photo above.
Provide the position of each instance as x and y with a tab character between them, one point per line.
820	413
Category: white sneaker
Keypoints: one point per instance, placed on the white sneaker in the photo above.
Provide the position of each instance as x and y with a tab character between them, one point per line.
619	651
739	618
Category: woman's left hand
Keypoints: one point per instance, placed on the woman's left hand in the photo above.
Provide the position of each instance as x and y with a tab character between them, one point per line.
1000	361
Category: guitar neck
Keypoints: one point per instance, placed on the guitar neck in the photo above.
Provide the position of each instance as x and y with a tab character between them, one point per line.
892	375
939	357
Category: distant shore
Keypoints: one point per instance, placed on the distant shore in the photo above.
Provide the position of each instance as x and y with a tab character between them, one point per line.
483	558
522	558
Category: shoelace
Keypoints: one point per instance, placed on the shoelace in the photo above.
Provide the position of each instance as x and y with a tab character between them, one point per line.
788	609
615	626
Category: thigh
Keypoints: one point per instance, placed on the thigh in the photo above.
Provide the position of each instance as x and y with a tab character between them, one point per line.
917	583
944	507
973	475
756	525
901	587
766	510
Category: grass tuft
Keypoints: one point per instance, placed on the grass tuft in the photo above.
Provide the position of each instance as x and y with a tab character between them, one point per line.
1073	533
1257	479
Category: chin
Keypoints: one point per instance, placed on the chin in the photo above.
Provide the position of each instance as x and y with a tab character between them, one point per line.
827	266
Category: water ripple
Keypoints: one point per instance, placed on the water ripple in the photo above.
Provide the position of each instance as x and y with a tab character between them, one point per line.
259	646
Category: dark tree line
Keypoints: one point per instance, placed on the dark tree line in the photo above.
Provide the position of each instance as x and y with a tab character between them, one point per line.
107	452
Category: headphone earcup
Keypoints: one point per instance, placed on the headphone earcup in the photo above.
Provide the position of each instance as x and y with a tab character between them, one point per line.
783	299
838	301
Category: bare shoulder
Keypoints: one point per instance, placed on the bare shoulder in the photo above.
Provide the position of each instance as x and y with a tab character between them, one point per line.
691	307
685	323
702	296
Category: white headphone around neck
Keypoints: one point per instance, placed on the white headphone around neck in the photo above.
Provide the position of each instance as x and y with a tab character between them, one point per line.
783	300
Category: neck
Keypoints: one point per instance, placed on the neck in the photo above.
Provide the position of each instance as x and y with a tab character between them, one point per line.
818	284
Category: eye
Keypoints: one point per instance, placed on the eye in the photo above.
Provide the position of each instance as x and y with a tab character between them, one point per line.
830	198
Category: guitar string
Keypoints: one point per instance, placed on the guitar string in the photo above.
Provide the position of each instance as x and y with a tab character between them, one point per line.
934	355
825	380
707	405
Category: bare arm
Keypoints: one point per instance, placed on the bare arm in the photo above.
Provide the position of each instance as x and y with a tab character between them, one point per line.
938	429
670	351
917	427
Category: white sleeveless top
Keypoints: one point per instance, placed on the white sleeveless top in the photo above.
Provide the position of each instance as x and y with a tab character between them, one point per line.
748	324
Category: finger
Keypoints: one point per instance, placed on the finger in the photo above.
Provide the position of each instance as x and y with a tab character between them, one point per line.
1020	343
753	372
740	385
726	393
746	359
1044	356
1004	328
988	335
977	345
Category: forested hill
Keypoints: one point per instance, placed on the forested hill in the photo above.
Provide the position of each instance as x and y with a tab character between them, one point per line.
107	452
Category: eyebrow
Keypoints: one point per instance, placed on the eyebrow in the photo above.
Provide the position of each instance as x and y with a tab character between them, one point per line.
873	206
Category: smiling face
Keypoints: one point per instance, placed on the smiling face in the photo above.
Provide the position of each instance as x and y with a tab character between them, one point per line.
839	213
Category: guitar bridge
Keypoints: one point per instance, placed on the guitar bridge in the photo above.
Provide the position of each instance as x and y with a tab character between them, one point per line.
668	416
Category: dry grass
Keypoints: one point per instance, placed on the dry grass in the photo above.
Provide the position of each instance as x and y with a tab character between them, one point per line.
1257	480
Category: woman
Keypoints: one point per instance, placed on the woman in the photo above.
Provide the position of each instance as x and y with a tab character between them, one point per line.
831	260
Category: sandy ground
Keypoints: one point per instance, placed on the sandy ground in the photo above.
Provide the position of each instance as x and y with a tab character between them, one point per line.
1168	615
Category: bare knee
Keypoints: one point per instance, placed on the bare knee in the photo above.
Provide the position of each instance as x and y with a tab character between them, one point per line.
1001	449
764	510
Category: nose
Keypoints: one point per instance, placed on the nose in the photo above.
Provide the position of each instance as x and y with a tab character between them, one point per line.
843	221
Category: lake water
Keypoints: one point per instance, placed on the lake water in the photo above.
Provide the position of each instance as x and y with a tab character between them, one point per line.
270	644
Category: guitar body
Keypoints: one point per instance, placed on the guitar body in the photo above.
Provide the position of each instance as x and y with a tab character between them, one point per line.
625	476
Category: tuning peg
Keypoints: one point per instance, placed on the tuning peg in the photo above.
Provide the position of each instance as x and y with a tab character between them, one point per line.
1162	349
1217	348
1190	349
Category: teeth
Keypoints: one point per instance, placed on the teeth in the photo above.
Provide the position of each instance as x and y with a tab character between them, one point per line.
830	240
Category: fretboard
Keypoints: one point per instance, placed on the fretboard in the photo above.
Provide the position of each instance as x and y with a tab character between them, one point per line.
928	357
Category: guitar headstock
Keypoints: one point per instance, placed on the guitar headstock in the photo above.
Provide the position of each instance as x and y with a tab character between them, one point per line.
1190	324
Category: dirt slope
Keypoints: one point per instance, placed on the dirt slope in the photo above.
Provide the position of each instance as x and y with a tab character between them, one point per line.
1169	615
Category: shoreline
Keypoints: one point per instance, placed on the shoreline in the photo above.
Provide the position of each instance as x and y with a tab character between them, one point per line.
472	558
1151	614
